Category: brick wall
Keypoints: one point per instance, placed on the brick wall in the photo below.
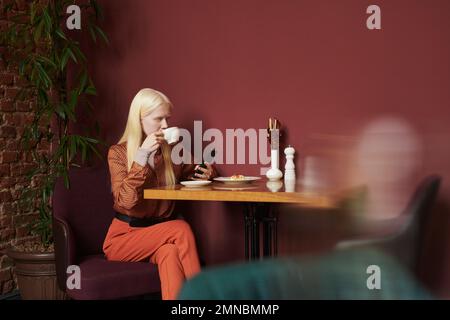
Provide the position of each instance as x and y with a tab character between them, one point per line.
14	164
14	117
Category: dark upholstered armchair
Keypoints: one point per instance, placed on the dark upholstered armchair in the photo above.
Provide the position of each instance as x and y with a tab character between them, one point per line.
81	217
406	243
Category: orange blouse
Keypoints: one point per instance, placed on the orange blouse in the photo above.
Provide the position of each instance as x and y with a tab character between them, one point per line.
127	186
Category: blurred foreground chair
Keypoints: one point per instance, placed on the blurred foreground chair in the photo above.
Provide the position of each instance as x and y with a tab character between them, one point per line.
81	217
339	275
406	244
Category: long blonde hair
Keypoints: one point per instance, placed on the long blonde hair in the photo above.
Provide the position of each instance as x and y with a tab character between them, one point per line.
145	102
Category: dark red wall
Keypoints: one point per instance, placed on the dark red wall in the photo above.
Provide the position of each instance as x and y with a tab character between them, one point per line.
312	64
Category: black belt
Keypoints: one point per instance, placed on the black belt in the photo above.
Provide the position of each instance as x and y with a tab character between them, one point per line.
140	222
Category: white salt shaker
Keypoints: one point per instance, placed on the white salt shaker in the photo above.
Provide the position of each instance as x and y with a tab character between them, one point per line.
289	172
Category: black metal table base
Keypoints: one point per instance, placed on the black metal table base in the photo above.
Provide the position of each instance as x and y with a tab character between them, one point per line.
257	214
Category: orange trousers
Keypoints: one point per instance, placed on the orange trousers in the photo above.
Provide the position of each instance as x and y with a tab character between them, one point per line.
170	245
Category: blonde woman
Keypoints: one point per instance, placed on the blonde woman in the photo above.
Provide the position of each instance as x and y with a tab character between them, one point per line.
146	229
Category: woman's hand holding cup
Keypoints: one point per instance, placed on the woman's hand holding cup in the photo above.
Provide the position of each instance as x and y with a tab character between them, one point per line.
153	141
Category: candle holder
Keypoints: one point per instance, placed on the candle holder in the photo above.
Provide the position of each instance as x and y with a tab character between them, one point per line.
274	173
274	186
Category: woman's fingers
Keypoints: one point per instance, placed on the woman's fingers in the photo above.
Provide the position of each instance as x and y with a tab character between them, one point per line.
201	176
155	146
153	141
209	167
206	172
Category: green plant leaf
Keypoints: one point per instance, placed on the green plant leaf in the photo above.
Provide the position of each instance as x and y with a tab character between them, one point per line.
66	179
102	34
94	149
49	62
47	20
42	97
65	58
22	65
72	55
69	108
43	75
76	48
73	147
35	132
37	32
32	12
92	33
98	11
83	81
60	33
91	90
73	99
91	140
83	151
60	111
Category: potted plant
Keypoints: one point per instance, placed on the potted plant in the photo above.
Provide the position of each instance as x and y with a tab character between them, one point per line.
54	68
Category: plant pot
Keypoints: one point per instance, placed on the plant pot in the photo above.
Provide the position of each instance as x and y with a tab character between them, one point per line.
36	275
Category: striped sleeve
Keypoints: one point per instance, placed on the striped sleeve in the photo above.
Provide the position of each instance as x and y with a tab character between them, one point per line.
127	187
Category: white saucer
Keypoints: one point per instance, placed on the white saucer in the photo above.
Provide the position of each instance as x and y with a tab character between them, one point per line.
195	183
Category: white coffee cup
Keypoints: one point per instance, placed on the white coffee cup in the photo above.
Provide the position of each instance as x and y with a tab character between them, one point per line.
171	135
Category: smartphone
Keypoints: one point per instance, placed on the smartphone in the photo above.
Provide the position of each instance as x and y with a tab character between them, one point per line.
203	165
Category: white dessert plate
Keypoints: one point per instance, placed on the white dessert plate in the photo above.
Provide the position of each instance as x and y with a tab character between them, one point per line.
195	183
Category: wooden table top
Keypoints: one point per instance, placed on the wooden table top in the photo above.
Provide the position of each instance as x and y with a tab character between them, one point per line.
260	191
